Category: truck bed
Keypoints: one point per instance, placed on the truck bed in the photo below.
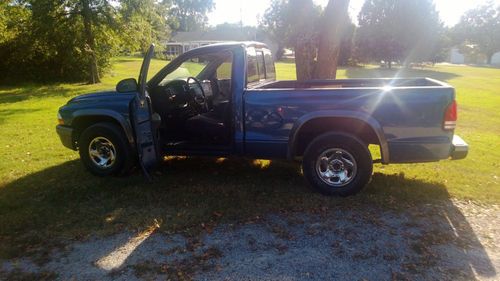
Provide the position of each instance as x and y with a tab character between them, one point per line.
408	113
353	83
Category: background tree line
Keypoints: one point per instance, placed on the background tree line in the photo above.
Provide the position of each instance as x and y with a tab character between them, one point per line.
73	40
402	31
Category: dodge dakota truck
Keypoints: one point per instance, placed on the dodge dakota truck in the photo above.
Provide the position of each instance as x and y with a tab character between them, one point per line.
224	100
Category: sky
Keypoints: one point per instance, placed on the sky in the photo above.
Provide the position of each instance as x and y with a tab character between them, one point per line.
248	11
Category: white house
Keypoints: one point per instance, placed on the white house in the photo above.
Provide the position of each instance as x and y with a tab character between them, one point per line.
496	59
458	58
184	41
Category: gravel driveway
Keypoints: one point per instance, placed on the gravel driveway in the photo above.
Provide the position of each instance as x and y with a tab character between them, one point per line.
451	241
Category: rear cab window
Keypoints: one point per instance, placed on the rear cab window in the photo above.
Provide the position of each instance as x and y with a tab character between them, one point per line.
270	69
260	66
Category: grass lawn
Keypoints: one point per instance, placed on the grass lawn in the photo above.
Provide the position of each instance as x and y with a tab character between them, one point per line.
46	195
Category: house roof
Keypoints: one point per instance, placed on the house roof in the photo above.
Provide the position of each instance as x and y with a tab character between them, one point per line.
212	35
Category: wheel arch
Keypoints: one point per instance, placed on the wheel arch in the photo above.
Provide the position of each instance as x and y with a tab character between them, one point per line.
317	123
82	119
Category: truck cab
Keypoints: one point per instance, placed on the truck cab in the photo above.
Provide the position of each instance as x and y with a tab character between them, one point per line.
198	97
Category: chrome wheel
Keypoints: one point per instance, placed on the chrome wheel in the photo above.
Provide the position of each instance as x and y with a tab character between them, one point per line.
102	152
336	167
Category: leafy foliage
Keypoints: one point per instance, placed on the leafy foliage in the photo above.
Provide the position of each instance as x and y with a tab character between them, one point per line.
276	25
347	47
398	30
189	15
321	38
144	22
479	30
50	43
73	40
316	36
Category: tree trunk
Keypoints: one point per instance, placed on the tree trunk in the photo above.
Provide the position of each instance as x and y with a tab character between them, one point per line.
300	13
90	42
280	51
333	22
305	51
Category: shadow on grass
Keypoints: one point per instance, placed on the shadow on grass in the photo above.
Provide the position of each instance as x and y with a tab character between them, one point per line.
492	66
361	72
5	113
65	203
128	59
135	59
13	94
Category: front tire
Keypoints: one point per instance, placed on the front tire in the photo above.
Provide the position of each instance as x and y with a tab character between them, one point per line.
337	164
104	150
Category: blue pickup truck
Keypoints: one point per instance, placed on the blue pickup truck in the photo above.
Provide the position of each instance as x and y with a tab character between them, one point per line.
224	100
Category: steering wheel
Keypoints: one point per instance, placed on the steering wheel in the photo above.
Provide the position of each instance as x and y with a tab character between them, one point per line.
197	100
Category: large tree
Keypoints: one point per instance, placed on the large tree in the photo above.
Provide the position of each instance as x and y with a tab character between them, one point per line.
398	30
347	47
88	10
275	24
73	40
62	37
302	16
190	15
144	22
279	23
316	37
479	28
334	22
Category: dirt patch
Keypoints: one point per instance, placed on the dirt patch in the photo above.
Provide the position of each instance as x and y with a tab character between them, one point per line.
456	240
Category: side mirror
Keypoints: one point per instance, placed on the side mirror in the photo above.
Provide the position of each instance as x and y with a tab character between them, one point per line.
127	85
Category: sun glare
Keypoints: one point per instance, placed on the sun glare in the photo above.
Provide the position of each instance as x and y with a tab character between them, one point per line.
118	256
248	12
261	163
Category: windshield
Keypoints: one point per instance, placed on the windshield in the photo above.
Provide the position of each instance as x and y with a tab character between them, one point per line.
200	66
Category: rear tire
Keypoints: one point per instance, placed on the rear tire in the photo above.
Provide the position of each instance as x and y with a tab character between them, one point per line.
337	164
104	150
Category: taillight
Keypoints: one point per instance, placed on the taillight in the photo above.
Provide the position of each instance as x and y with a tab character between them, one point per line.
450	116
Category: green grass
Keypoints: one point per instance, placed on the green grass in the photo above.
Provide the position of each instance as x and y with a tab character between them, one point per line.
45	193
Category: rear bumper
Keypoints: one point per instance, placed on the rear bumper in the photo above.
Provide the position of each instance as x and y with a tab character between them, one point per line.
459	148
66	135
428	149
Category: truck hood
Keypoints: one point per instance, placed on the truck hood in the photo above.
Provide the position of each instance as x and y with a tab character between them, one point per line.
102	96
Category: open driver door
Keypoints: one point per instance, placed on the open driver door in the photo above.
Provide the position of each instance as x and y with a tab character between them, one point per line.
145	133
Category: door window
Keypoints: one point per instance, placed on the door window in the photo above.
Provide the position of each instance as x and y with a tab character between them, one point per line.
224	70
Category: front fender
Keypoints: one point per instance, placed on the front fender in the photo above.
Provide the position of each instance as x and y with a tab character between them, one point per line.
360	116
122	120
